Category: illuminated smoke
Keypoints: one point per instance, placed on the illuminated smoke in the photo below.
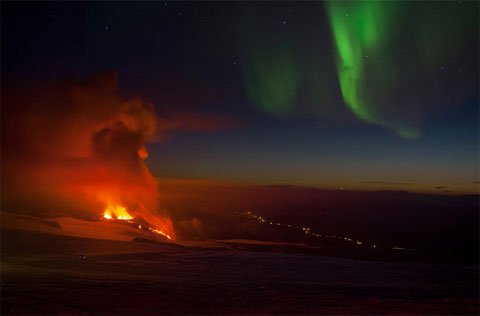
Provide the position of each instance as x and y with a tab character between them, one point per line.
78	148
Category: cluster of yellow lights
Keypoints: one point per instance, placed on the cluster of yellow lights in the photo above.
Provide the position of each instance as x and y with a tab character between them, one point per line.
306	230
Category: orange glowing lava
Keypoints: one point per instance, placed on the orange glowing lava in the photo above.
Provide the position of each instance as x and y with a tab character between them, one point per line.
107	215
117	211
120	213
158	231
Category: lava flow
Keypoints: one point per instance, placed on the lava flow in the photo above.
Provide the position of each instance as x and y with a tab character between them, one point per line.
118	212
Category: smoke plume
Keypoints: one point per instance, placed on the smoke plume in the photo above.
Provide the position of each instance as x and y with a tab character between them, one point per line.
75	147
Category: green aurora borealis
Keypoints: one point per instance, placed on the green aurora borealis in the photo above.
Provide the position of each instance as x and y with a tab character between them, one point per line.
389	59
272	81
361	32
352	94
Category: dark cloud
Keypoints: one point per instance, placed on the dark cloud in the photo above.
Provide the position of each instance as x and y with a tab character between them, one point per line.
192	122
387	183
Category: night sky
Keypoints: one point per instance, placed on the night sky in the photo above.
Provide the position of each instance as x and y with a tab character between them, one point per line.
354	95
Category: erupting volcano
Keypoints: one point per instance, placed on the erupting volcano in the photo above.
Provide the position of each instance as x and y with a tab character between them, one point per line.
95	165
118	212
250	158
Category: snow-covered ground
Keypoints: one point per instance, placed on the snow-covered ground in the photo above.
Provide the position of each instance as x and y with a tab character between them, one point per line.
43	273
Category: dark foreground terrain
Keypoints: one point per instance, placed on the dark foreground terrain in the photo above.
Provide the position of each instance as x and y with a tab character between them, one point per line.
44	274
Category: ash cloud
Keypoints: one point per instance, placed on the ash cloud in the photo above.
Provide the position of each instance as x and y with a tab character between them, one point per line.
71	147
